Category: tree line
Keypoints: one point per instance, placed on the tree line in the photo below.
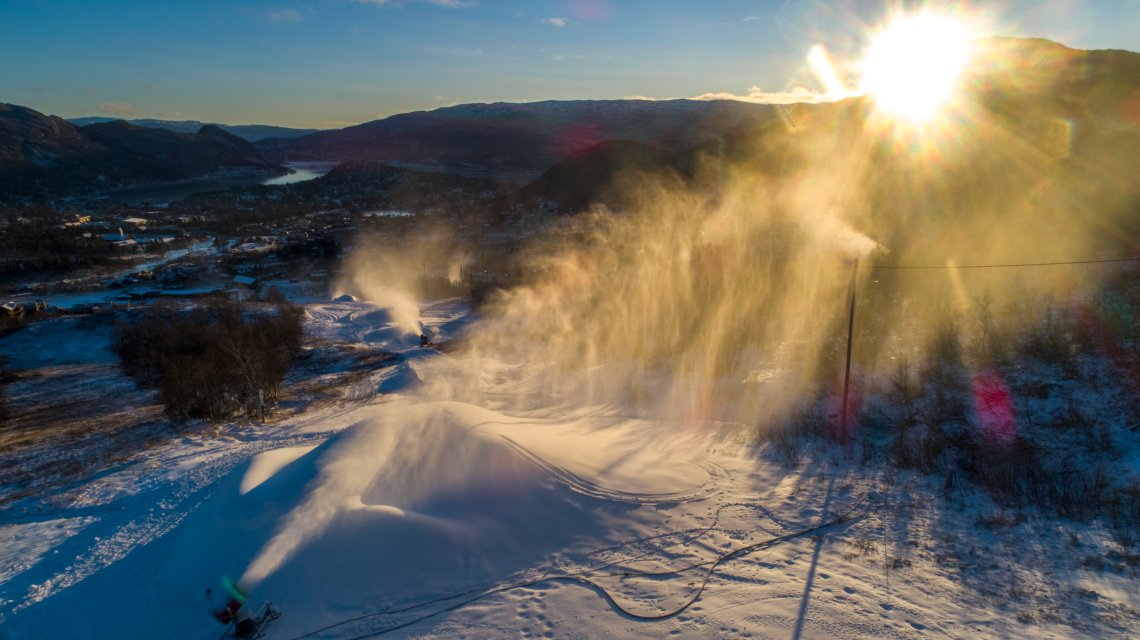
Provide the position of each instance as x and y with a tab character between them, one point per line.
214	361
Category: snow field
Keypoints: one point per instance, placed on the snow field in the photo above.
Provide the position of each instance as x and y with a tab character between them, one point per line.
397	510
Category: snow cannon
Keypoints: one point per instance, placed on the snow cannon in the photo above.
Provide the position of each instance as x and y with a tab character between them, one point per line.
240	622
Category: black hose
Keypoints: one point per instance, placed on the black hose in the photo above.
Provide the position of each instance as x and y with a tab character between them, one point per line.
576	578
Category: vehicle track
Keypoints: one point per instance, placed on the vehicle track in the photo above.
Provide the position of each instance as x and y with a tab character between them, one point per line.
716	476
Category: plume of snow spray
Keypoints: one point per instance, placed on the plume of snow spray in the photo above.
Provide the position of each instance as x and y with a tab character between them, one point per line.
392	275
391	464
724	298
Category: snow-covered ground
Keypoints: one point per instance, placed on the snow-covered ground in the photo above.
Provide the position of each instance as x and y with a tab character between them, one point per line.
386	502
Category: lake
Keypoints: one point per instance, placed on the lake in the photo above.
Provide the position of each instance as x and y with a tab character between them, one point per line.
301	171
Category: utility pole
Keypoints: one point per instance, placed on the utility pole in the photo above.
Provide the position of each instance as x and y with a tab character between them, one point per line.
850	336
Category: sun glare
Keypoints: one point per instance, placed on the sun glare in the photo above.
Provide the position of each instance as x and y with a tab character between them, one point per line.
913	65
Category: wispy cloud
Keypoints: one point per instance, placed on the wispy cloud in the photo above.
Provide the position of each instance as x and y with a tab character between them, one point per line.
119	109
455	51
554	22
797	94
452	4
751	18
283	16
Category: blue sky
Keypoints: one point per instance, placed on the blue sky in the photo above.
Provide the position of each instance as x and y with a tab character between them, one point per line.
328	63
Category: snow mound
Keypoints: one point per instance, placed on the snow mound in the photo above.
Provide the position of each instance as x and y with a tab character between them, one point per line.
420	494
410	502
415	459
402	379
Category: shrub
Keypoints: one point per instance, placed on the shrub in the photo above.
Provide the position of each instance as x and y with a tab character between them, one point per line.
3	396
992	338
213	361
1049	338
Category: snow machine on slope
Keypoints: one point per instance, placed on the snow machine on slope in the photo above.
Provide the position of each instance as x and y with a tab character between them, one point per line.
242	622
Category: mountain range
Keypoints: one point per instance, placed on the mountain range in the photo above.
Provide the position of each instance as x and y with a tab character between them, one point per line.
47	155
1041	92
521	137
248	132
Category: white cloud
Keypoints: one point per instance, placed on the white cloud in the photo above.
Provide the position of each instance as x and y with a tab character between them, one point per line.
120	109
554	22
797	94
283	16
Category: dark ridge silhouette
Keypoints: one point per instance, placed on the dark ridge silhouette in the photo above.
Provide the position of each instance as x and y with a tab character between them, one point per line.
529	137
41	155
248	132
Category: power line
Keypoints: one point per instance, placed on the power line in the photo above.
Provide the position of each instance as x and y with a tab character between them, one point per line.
1001	266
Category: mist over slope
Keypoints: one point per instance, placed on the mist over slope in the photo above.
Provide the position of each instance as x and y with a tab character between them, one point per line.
733	259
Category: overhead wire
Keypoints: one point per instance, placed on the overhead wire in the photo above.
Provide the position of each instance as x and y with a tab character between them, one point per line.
873	267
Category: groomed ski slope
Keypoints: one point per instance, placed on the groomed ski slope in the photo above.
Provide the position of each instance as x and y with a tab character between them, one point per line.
406	515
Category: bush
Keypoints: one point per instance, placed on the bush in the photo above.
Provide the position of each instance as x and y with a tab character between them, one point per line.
929	403
992	334
3	396
1049	337
214	361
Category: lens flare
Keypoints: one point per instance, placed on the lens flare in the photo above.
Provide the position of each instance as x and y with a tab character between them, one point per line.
823	69
912	66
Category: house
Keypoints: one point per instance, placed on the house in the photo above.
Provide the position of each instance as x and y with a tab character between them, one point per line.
246	281
78	221
119	240
178	273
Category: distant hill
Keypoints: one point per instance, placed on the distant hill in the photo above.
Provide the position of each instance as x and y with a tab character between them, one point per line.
527	137
42	154
1035	115
248	132
594	175
1079	109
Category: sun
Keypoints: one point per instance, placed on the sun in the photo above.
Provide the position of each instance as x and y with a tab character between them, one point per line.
912	66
